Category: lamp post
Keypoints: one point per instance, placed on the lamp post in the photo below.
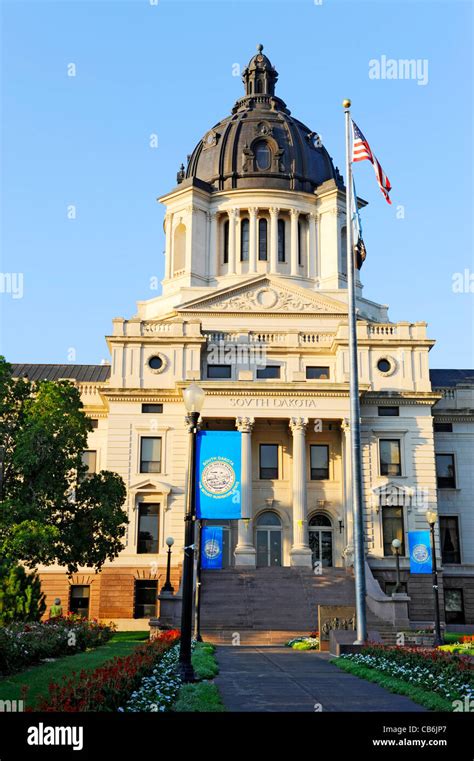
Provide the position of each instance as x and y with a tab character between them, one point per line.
193	397
396	545
167	585
197	629
431	519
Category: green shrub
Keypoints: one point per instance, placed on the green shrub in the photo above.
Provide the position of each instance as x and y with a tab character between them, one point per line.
21	598
204	663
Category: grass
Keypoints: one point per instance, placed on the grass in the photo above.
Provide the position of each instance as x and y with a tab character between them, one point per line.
130	636
201	696
427	699
38	678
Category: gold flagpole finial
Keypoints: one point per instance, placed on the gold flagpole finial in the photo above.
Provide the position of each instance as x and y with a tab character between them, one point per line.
346	103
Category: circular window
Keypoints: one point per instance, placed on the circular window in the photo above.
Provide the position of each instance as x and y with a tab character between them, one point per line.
156	363
384	366
263	156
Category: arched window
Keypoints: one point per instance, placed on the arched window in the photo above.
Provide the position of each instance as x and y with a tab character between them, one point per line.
244	240
268	518
259	85
262	240
263	155
226	242
300	243
281	241
344	251
179	248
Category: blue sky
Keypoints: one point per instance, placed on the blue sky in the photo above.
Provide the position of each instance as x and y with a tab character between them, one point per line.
167	69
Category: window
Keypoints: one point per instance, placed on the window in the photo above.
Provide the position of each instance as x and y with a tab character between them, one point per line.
219	371
79	600
148	525
389	411
262	240
317	373
89	459
300	243
226	242
443	427
145	599
449	529
155	408
150	454
390	460
390	587
392	524
244	240
319	460
445	473
281	241
384	365
156	363
263	155
454	606
268	461
95	423
271	371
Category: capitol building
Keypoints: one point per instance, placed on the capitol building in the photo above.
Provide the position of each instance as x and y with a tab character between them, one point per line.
254	309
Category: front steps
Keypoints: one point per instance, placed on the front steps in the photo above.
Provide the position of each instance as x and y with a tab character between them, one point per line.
269	606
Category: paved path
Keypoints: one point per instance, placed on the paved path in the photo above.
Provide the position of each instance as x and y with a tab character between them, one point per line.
281	679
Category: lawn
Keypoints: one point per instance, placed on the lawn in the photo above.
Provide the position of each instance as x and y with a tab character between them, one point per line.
39	677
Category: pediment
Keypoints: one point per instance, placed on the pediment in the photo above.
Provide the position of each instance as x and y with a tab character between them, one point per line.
268	295
151	485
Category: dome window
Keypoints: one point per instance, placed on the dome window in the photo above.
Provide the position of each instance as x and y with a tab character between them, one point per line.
263	155
262	240
244	240
281	241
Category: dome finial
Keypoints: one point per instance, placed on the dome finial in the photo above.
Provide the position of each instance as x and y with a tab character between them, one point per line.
259	47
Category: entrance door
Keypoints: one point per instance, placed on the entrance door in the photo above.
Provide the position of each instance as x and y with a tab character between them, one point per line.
320	540
268	540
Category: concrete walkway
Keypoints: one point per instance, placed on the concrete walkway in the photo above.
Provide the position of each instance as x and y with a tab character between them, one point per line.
281	679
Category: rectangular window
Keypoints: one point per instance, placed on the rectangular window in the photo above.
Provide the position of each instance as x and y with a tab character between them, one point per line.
95	423
445	473
390	458
443	427
217	372
79	600
271	371
150	454
281	241
300	244
244	240
268	461
319	458
454	606
449	528
148	528
145	599
317	373
392	523
89	459
262	240
225	259
389	411
154	408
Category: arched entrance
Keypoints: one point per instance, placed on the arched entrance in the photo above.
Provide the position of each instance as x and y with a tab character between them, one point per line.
268	540
320	539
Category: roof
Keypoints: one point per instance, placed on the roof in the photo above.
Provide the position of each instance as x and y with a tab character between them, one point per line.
83	373
443	378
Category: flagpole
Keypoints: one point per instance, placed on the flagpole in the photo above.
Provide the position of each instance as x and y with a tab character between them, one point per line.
356	463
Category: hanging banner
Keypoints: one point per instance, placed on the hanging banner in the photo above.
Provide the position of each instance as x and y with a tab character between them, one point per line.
218	474
211	547
419	544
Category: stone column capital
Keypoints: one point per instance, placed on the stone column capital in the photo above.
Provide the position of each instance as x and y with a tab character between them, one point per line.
212	215
294	213
345	425
244	424
298	424
274	211
234	214
253	211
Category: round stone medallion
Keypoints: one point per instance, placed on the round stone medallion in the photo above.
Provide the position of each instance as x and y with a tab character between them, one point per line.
266	298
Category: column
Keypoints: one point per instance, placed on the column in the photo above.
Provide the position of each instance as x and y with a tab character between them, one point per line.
253	240
300	553
312	253
168	236
274	238
212	250
245	554
348	551
233	214
294	214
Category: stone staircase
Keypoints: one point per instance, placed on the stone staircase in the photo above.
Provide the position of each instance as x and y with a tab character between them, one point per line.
272	605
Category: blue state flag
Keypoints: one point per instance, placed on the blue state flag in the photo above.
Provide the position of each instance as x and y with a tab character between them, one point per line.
218	474
419	544
211	547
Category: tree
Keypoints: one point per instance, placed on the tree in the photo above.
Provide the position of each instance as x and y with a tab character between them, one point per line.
21	598
51	509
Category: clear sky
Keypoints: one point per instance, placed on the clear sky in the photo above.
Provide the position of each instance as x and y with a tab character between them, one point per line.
168	67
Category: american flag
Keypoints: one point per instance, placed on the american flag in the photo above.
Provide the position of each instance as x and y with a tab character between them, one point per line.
361	150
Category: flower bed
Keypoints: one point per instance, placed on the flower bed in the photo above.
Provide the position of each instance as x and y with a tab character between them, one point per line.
464	647
431	670
158	691
108	687
304	643
25	644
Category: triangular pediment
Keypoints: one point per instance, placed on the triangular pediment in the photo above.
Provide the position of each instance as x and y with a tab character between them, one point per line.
265	294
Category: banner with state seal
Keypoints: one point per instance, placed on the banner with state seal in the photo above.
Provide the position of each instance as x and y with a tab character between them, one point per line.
218	474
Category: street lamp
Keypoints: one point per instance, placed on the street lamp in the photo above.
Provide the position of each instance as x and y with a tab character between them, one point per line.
167	585
431	518
193	397
197	625
396	545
